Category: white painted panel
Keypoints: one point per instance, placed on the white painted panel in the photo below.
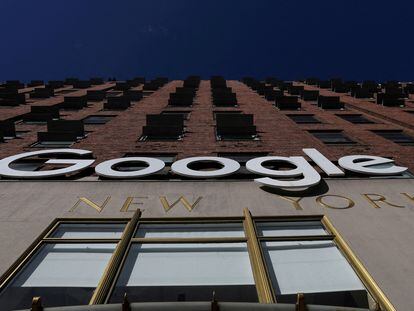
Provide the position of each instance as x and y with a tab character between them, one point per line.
309	267
187	264
66	265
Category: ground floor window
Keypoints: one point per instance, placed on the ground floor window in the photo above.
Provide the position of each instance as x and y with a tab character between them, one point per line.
236	259
186	272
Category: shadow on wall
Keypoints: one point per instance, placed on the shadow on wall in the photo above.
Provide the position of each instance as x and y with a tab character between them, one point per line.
316	190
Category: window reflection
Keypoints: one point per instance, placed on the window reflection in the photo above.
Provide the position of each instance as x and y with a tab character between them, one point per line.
62	274
186	272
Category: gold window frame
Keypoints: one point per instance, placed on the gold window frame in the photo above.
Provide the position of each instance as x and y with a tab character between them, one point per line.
261	277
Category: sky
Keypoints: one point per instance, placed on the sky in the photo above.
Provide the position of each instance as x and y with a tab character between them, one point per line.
288	39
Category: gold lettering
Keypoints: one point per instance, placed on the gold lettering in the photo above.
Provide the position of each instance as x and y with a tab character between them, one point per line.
167	206
130	201
324	204
380	198
91	204
408	196
295	203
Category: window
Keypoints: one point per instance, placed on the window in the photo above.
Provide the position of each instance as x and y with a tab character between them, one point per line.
186	259
186	272
235	126
315	268
7	130
355	118
223	97
98	119
89	230
52	144
33	122
215	113
397	136
288	103
20	134
330	102
121	102
332	137
302	257
163	127
64	272
41	114
59	269
189	230
290	228
242	157
303	118
60	134
184	114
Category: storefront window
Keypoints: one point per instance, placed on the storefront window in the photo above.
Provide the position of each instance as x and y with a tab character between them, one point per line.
315	268
187	230
234	259
62	274
290	228
186	272
88	231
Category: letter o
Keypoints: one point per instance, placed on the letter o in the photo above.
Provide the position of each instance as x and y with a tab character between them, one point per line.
350	202
180	167
105	169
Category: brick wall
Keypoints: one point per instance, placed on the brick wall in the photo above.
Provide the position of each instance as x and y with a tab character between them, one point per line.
278	134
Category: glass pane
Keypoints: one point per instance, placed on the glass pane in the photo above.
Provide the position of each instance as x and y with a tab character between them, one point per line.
97	119
62	274
89	231
180	272
54	144
301	118
355	118
332	137
290	228
176	230
315	268
396	136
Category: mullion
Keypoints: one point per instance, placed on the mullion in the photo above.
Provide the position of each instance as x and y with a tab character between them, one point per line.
258	219
93	220
263	284
84	221
71	241
201	220
110	276
297	238
189	240
120	266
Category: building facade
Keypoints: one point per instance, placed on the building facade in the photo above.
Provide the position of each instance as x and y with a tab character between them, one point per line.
178	223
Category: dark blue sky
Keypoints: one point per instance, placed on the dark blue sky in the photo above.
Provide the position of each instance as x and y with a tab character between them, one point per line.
355	39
